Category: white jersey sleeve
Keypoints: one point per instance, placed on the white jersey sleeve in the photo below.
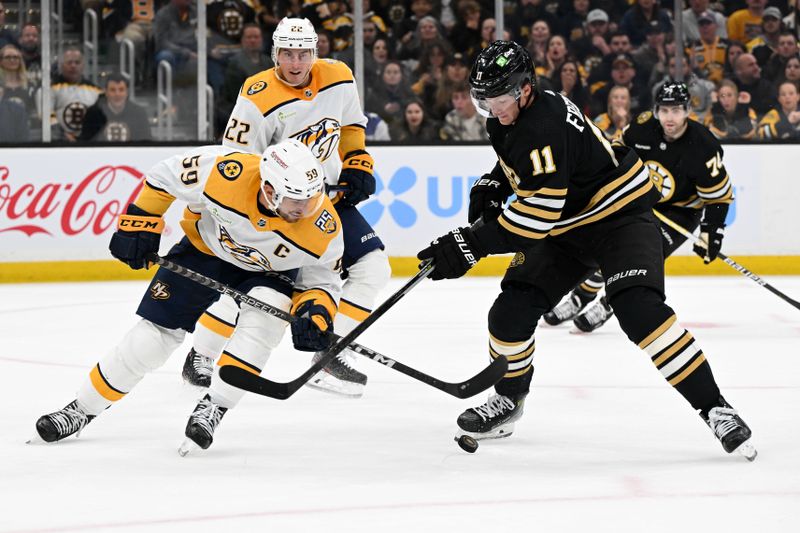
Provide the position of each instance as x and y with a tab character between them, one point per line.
184	176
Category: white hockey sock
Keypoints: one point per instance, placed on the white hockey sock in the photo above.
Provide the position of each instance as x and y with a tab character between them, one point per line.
215	327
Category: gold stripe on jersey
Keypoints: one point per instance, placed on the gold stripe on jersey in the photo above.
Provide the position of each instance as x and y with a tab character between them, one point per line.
84	86
189	227
216	324
153	200
228	359
102	386
356	312
269	93
693	201
535	212
721	193
353	138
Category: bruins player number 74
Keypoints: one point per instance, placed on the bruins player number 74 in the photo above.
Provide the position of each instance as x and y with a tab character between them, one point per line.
580	204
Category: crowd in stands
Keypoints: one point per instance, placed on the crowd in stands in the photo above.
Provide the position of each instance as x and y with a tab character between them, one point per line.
739	58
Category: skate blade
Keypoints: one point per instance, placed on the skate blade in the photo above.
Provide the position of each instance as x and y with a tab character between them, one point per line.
187	447
747	450
36	439
326	383
497	433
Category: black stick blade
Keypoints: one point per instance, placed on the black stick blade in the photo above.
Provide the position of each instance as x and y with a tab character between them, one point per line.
242	379
486	378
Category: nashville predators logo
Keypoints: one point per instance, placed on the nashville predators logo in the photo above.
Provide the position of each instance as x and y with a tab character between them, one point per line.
662	179
322	138
325	222
517	260
230	170
244	254
159	291
257	87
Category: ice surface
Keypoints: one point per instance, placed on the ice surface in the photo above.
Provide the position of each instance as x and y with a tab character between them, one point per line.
605	444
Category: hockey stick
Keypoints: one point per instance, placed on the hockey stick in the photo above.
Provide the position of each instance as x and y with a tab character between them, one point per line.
727	260
230	374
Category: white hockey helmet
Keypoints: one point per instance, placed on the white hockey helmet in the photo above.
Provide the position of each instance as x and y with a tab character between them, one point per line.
294	33
295	178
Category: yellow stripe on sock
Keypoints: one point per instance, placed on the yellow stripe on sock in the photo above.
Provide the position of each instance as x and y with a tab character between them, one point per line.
658	332
228	359
216	325
691	368
102	386
517	373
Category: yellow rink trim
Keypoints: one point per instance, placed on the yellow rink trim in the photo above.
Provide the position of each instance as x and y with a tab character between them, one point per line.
29	272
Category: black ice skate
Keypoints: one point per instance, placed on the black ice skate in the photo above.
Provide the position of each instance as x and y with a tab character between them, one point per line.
566	310
197	369
492	420
200	429
594	317
730	429
339	377
61	424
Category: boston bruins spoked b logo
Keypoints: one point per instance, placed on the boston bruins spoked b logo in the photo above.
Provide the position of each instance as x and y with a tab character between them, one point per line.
662	179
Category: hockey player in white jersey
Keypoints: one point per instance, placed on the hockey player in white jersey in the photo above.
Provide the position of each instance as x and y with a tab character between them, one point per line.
315	101
259	223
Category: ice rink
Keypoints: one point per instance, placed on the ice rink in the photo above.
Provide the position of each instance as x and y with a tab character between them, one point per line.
605	444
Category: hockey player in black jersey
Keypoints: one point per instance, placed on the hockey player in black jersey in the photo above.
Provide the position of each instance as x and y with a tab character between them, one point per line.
685	164
580	204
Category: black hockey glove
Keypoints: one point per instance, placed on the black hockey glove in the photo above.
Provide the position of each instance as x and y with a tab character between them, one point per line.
356	176
310	330
486	199
712	230
453	254
138	234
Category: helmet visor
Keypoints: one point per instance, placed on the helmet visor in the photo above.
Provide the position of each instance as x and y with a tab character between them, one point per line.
293	209
489	107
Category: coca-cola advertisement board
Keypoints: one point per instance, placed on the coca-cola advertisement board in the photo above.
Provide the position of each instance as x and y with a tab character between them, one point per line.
63	203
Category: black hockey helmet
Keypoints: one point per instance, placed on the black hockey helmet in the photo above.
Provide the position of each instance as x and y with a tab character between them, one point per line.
503	67
673	93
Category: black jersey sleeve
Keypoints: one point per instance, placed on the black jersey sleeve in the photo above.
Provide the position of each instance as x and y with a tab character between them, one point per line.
711	177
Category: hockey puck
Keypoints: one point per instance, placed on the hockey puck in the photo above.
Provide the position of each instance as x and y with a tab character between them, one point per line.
467	443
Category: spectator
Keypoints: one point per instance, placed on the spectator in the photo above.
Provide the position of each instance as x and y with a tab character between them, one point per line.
456	73
114	118
29	44
386	99
466	34
735	49
636	19
537	43
429	73
700	90
766	44
324	44
652	52
14	78
710	51
747	75
246	62
591	48
618	43
525	16
617	115
404	27
14	121
615	9
792	70
554	56
783	121
415	126
786	49
427	33
371	34
731	117
745	24
377	129
72	95
376	60
6	36
691	30
140	26
567	81
575	20
623	73
464	123
226	20
174	32
488	34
